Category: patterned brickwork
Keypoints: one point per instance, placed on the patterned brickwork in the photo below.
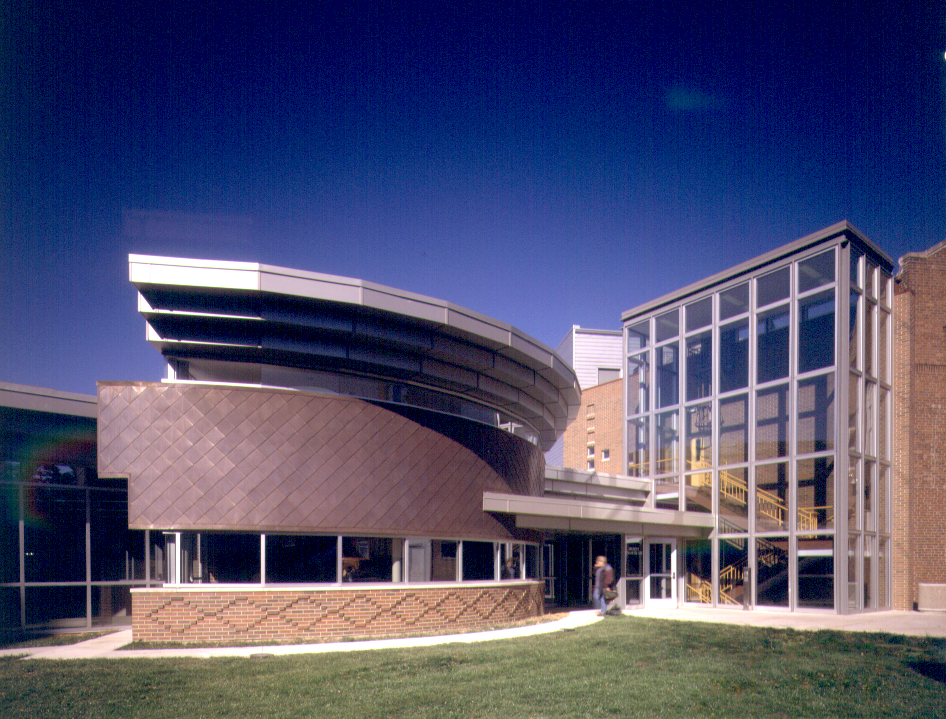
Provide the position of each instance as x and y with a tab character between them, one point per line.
210	457
919	488
293	615
599	425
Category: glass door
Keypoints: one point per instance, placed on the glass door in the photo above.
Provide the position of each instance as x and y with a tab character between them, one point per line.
661	580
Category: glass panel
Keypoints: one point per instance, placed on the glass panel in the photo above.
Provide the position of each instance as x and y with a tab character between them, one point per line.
632	591
698	568
869	517
60	607
638	377
230	558
734	500
883	597
292	558
870	394
856	254
771	505
699	448
667	493
867	573
853	562
638	336
882	423
816	572
668	441
816	414
54	535
816	332
869	338
853	495
9	607
668	325
699	492
884	287
638	453
816	271
113	557
699	371
478	558
734	301
668	376
880	498
635	559
10	537
733	559
773	330
369	559
772	571
869	277
532	561
699	314
882	347
772	287
772	422
852	411
111	605
734	356
734	429
853	325
815	494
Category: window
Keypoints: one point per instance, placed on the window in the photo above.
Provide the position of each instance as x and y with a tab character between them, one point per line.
591	450
605	455
591	464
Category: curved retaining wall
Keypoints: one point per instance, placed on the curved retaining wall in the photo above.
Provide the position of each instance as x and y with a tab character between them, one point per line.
217	614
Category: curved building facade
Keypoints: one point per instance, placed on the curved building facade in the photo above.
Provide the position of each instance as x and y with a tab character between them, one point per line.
327	433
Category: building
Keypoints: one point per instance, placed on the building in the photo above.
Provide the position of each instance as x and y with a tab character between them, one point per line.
328	457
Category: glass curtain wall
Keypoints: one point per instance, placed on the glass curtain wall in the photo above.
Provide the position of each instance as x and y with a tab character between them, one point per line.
733	406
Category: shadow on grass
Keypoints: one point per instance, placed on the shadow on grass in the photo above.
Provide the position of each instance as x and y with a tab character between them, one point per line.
929	669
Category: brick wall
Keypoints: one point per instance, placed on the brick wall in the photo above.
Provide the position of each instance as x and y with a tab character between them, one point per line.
919	486
211	614
600	421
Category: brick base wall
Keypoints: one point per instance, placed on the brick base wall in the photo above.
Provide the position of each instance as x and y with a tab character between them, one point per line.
212	614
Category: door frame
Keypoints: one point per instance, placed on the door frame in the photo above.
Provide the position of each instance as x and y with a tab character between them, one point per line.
672	601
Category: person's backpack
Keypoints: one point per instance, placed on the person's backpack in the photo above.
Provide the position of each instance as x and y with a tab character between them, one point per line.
608	575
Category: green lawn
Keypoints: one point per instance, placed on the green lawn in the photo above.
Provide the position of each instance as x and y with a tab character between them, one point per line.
622	667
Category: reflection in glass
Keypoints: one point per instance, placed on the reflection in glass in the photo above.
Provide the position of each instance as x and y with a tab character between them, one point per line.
853	402
772	422
816	414
868	482
734	429
668	375
853	326
699	314
870	268
733	559
699	439
772	344
668	441
772	287
370	559
230	558
699	492
667	493
638	374
54	534
772	571
882	449
883	597
816	271
816	332
815	494
853	495
698	568
867	576
638	336
856	254
771	497
699	370
816	572
852	565
869	338
638	455
734	500
734	301
668	325
734	356
634	570
9	538
478	560
880	498
883	318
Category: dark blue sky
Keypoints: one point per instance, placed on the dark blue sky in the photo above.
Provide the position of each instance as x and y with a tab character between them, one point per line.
544	163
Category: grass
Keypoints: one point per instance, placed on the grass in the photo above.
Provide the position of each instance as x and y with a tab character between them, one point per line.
22	641
623	666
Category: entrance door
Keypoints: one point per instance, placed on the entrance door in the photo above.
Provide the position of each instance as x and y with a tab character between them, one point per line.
661	580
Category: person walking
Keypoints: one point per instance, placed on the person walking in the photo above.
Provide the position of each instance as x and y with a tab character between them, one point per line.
604	578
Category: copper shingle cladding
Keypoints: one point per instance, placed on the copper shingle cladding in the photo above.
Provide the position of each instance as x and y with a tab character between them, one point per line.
253	313
204	457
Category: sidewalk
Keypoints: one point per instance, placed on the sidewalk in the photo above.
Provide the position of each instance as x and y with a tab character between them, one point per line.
921	624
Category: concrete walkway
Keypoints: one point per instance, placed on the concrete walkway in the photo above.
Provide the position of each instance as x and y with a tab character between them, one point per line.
921	624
